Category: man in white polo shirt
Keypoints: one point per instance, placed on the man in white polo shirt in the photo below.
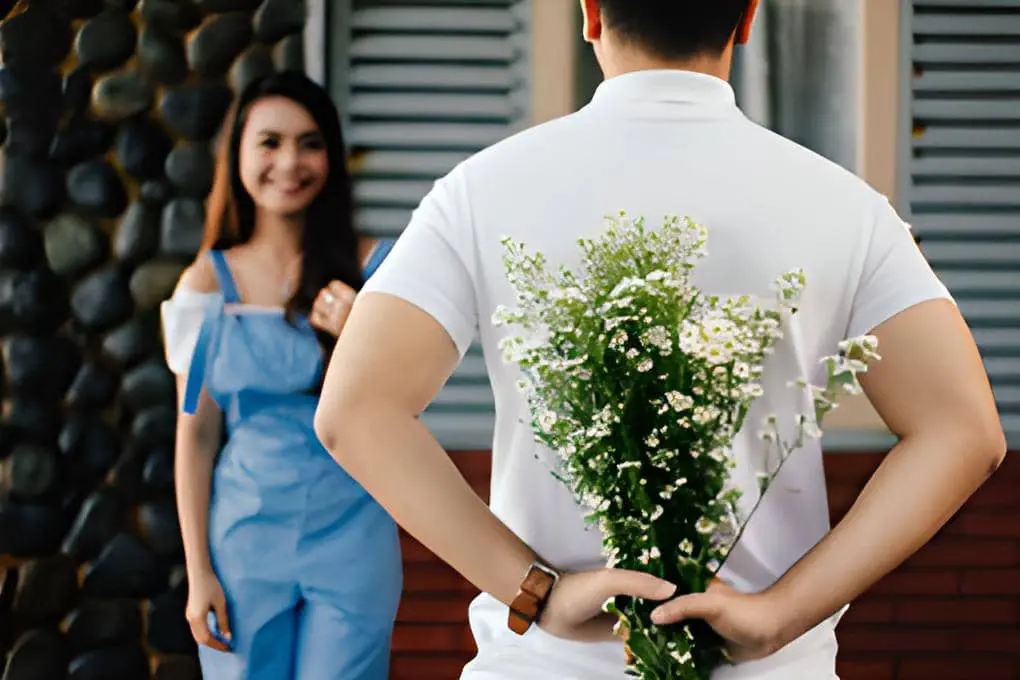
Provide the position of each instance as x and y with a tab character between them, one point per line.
661	135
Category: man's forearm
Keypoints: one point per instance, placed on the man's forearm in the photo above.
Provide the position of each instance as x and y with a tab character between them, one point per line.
399	462
921	483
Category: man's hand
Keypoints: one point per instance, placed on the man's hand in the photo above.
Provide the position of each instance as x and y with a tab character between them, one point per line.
574	609
750	623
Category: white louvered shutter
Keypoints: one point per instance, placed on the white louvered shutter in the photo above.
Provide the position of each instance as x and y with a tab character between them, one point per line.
961	172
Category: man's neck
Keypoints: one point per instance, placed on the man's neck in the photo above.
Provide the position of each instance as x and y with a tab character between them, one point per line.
628	61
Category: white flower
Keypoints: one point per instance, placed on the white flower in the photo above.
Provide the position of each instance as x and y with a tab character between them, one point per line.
679	402
705	414
658	337
789	285
682	659
751	390
863	348
547	420
649	554
501	315
705	526
808	427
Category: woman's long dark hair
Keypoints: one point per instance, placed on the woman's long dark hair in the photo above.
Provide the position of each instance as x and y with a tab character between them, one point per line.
329	244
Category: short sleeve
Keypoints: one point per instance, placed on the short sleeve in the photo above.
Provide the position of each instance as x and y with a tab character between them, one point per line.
182	317
432	265
895	275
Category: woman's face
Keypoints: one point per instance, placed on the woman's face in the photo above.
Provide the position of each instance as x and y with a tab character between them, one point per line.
282	157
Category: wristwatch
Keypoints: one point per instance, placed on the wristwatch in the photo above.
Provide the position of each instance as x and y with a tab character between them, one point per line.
534	592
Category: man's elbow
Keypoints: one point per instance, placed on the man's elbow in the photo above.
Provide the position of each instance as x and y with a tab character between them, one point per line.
984	437
334	426
993	445
971	434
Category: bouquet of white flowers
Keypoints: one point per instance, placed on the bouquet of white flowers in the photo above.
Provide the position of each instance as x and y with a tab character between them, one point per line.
640	381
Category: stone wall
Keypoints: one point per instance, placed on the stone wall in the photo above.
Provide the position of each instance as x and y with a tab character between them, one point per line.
108	109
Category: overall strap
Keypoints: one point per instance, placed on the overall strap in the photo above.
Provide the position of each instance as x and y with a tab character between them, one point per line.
223	276
199	358
379	252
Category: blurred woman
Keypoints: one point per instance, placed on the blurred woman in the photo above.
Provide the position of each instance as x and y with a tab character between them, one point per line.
294	571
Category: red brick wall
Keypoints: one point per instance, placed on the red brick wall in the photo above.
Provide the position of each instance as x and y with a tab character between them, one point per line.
951	613
432	640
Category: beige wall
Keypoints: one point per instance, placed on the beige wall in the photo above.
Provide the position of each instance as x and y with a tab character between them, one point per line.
554	26
879	135
555	23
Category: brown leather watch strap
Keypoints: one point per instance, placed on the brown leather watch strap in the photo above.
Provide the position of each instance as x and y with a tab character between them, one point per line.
531	598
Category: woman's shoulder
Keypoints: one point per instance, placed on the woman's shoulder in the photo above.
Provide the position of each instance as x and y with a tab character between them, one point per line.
199	277
197	290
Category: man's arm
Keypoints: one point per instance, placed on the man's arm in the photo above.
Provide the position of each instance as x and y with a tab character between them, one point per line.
931	390
389	363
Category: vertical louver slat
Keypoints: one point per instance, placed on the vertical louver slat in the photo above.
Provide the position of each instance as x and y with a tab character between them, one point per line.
962	174
427	83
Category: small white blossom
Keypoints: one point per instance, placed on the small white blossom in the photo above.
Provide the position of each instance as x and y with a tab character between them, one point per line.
547	420
678	401
682	659
705	526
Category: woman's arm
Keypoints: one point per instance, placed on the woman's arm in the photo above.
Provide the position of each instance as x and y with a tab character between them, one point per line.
198	441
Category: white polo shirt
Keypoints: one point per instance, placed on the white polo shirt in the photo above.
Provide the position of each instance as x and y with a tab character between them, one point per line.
654	143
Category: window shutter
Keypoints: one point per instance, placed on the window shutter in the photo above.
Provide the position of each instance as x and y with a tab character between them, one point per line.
961	175
423	85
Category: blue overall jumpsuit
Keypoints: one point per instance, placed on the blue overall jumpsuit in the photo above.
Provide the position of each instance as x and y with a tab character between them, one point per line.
310	563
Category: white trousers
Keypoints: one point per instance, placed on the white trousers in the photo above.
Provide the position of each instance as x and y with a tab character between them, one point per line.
539	656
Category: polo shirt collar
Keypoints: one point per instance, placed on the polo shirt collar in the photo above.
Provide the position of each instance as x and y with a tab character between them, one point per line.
664	86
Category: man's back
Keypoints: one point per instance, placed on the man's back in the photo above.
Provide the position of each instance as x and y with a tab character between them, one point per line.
653	143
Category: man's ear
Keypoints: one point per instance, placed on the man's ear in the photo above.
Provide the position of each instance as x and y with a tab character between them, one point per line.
591	13
746	21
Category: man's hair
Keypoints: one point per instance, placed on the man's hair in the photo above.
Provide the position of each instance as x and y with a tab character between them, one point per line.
675	29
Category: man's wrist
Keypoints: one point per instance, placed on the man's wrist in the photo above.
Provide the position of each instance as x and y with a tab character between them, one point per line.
796	613
533	594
